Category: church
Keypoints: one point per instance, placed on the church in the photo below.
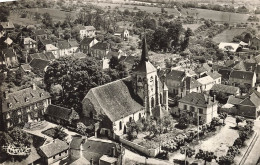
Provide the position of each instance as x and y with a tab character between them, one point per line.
136	97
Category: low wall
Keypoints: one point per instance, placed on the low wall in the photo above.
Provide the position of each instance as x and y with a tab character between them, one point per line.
142	149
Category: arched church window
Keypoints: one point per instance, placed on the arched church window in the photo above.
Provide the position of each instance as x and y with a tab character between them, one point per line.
161	98
130	119
152	102
120	125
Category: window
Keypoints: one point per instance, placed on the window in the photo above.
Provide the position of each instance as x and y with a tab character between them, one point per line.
59	154
10	105
26	99
65	151
120	125
192	109
200	110
53	157
152	102
185	107
130	119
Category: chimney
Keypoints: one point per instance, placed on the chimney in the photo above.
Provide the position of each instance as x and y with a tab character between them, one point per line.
33	86
91	161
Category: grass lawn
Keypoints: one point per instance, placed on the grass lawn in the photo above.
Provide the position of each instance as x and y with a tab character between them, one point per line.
228	35
191	26
16	19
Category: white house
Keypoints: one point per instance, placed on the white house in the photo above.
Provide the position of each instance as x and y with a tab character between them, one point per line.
53	49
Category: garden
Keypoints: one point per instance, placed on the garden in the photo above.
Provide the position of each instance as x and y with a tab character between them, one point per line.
55	133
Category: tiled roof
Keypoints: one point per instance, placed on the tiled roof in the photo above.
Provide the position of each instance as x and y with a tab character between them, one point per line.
225	89
73	43
242	74
240	66
39	64
205	80
204	68
28	40
86	41
250	66
53	148
50	47
63	44
198	99
39	32
191	83
60	112
90	28
214	75
115	99
231	63
233	100
8	53
175	75
80	55
225	73
100	46
26	67
18	98
49	55
46	41
7	25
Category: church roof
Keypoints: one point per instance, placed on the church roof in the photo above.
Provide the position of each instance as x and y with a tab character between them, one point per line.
115	99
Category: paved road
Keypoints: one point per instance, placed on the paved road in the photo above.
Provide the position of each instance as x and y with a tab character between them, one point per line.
255	152
141	159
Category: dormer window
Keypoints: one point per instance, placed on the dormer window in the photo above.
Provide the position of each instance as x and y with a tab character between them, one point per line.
10	105
26	99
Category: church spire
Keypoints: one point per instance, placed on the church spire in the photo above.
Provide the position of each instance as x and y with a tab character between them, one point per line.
144	56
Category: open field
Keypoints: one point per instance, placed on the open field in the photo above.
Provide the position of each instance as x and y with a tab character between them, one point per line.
217	16
21	21
227	35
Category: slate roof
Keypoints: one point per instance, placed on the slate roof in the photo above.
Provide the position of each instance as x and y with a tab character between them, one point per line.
54	148
79	55
231	63
225	89
47	56
63	44
17	99
87	41
26	67
39	64
100	46
240	66
115	99
191	83
145	67
175	75
204	68
242	74
59	112
198	99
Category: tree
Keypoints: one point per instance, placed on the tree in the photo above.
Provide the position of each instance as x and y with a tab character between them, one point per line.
114	61
81	128
160	39
184	121
206	156
223	116
185	43
47	20
4	13
226	160
233	150
174	32
239	120
149	23
238	142
126	12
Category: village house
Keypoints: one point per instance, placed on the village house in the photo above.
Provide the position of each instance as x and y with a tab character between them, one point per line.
100	50
64	48
7	26
39	34
227	89
39	66
238	78
29	43
23	106
189	85
54	151
87	31
43	42
133	98
122	33
8	58
53	49
60	115
25	69
74	46
86	44
48	56
200	105
95	151
230	47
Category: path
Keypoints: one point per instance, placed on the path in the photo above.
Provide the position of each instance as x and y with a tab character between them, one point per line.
141	159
